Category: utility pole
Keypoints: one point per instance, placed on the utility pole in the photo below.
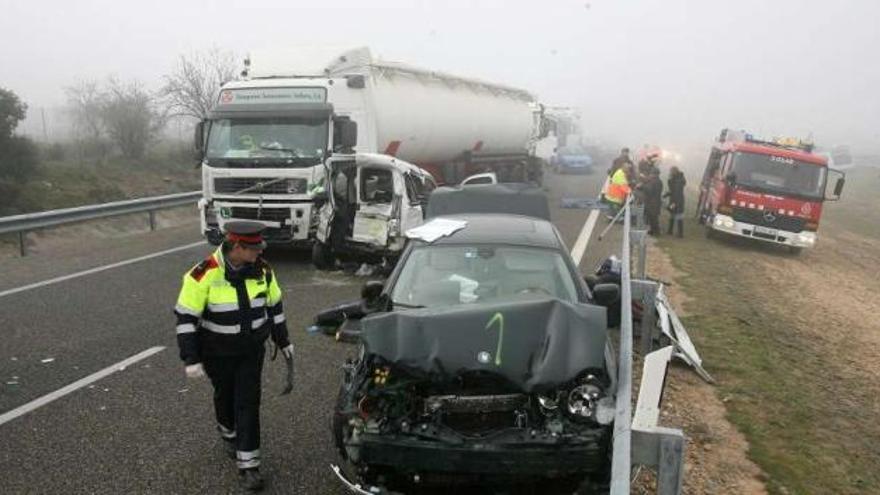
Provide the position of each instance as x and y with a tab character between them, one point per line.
45	133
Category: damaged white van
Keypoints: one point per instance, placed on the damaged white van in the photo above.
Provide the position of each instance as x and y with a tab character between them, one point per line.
369	202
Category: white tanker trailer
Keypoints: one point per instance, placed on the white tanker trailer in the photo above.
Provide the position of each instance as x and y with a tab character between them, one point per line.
267	145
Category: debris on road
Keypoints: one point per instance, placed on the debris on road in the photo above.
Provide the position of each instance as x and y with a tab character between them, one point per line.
47	360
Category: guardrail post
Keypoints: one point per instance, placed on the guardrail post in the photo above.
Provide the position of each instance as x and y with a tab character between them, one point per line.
152	220
645	291
670	471
22	243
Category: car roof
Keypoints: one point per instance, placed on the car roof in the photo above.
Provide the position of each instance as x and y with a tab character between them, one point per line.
493	228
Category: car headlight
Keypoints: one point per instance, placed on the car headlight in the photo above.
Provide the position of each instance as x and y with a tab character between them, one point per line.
584	398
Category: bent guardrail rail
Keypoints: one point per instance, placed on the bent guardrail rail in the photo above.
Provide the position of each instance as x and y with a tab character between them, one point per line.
22	224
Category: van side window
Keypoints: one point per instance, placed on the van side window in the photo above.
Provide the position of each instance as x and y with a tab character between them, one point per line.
412	192
377	185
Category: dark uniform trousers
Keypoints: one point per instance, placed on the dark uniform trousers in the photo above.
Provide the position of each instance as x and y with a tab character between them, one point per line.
237	391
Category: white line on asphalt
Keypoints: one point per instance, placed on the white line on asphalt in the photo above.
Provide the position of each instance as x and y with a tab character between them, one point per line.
580	246
90	271
61	392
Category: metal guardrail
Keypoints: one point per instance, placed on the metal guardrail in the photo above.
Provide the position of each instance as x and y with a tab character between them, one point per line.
639	440
621	465
22	224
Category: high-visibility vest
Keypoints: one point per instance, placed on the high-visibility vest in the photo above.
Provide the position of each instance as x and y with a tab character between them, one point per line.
216	316
618	188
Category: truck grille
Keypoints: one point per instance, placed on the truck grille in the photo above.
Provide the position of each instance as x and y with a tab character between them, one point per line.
756	217
232	185
267	214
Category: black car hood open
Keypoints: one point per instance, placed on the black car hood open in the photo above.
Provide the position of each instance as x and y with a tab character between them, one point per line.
536	344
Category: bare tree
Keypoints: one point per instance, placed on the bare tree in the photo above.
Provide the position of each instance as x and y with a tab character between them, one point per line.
131	116
191	90
84	101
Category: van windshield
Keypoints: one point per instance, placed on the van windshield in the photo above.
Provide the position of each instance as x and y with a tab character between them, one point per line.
780	175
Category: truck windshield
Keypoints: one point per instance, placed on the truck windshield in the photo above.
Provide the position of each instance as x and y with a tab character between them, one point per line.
292	142
776	174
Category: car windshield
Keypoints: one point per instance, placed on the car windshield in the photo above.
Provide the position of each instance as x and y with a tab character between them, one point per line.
776	174
435	276
296	142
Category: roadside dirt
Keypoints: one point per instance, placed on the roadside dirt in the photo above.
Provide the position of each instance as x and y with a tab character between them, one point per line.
837	307
716	460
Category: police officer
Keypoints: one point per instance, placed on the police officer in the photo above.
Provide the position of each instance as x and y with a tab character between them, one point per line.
229	304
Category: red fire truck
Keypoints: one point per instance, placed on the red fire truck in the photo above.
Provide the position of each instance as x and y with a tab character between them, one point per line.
767	190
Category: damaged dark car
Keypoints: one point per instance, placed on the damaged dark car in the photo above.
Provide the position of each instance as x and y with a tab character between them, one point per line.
483	361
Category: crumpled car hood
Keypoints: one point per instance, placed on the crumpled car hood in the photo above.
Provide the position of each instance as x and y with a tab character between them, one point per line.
536	344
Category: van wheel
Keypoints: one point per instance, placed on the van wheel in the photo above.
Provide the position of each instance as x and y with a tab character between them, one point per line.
322	256
795	250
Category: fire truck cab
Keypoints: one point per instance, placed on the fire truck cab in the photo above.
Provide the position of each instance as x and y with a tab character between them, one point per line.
772	191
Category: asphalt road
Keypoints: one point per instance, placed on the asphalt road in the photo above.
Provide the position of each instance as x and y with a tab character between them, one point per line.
146	429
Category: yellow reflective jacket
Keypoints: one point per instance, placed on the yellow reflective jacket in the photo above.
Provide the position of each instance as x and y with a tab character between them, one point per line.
221	313
618	188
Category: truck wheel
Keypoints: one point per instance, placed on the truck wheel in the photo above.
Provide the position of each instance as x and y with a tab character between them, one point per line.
322	256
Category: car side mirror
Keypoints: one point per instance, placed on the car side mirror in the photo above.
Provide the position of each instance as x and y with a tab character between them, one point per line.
371	291
606	294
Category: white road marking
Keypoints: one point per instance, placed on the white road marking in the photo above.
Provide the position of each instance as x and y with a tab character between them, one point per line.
42	401
580	246
90	271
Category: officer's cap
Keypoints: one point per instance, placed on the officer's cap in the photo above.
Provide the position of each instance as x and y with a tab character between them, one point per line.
247	233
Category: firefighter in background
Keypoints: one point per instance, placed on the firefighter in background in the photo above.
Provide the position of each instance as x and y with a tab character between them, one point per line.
229	304
675	192
620	161
618	188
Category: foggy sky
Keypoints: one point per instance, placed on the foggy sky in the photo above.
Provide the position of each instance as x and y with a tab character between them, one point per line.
660	71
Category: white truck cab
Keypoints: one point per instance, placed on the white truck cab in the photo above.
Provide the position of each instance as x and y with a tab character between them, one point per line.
370	201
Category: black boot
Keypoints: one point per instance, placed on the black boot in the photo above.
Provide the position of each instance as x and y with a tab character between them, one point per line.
251	480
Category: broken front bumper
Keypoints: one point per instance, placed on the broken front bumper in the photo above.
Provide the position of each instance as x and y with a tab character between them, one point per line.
541	456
